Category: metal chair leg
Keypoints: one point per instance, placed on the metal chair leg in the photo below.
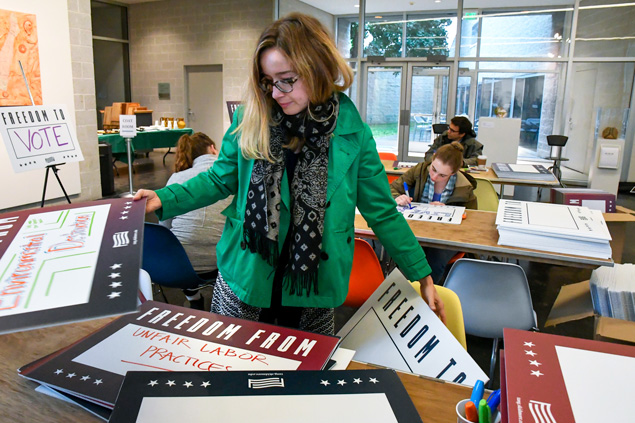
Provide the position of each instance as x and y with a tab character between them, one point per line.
492	364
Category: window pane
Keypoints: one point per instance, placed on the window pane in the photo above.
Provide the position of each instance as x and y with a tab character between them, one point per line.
383	36
109	20
523	94
430	35
605	29
382	105
524	32
346	37
112	75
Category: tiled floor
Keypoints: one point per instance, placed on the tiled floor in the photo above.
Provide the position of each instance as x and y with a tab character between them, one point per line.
544	280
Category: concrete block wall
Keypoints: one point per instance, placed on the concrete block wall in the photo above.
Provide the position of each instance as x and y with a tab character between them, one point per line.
84	97
166	36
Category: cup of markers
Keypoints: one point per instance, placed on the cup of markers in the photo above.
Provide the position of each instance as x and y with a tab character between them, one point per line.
477	409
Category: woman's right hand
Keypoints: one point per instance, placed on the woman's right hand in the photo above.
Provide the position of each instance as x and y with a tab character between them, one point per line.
153	203
403	200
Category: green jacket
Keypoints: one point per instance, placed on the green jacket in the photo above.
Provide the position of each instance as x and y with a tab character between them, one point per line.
356	178
463	194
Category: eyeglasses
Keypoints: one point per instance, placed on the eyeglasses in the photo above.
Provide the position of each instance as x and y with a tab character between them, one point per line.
453	130
283	85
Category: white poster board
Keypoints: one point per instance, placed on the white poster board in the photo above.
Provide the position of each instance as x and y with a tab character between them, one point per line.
39	136
395	328
500	138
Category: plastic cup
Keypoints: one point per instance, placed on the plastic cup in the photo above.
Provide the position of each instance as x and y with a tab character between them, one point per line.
460	413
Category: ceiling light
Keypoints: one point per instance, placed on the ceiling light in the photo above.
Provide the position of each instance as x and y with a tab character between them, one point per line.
437	1
357	5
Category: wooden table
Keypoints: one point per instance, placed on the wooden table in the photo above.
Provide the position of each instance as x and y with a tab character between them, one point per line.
435	400
478	234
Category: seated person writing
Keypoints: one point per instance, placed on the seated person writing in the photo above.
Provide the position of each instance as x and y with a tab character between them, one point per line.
438	182
198	230
460	130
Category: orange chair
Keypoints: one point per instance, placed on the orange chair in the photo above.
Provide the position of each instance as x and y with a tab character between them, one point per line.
392	178
383	155
366	275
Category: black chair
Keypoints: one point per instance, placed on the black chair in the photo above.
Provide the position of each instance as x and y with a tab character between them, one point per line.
439	128
231	108
556	142
166	261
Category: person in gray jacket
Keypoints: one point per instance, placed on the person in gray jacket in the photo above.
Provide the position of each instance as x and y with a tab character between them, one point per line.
460	130
200	229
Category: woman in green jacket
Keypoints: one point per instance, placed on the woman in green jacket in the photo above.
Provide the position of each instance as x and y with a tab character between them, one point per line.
298	160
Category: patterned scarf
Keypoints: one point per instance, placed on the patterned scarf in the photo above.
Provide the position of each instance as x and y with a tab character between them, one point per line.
428	190
308	192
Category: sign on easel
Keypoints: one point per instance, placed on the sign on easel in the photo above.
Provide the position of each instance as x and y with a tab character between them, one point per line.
39	136
128	126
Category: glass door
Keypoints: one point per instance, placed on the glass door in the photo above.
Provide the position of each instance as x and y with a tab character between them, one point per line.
383	104
427	100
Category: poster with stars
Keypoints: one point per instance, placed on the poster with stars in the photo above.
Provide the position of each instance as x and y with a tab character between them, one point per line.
39	136
170	338
558	379
69	263
341	396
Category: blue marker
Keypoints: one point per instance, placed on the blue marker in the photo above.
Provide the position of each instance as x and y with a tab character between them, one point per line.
494	400
405	187
477	392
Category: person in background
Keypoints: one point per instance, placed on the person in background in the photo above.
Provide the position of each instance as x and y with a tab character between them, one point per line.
198	230
298	159
439	182
461	130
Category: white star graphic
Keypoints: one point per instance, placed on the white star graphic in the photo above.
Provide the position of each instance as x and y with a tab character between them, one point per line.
536	373
531	353
85	378
324	382
114	275
529	344
128	203
205	384
123	217
357	380
170	383
125	212
341	382
98	382
115	284
534	363
153	382
373	380
71	375
115	266
188	384
114	295
127	207
59	371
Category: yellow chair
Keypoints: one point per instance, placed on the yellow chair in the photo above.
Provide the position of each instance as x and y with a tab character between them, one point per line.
486	195
453	311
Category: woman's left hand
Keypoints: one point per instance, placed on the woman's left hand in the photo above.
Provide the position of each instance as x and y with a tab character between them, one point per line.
430	296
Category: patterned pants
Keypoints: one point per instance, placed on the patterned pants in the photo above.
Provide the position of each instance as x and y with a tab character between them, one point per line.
225	302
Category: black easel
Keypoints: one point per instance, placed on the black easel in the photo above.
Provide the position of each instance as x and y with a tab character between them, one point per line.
46	178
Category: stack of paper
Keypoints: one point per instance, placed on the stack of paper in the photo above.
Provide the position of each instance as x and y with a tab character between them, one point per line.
553	227
613	291
522	171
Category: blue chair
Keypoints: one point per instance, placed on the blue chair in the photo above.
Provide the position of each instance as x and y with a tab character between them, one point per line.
493	296
166	261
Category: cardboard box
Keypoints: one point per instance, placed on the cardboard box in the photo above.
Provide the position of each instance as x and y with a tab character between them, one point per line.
574	303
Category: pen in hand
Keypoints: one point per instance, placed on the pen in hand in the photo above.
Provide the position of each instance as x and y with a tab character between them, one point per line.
405	187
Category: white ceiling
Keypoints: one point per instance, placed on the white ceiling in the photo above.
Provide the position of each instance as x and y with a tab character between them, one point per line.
347	7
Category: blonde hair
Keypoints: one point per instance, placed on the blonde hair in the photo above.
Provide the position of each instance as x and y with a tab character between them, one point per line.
451	155
311	51
189	148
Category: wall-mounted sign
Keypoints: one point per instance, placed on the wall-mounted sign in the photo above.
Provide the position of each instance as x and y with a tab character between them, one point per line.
164	90
39	136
